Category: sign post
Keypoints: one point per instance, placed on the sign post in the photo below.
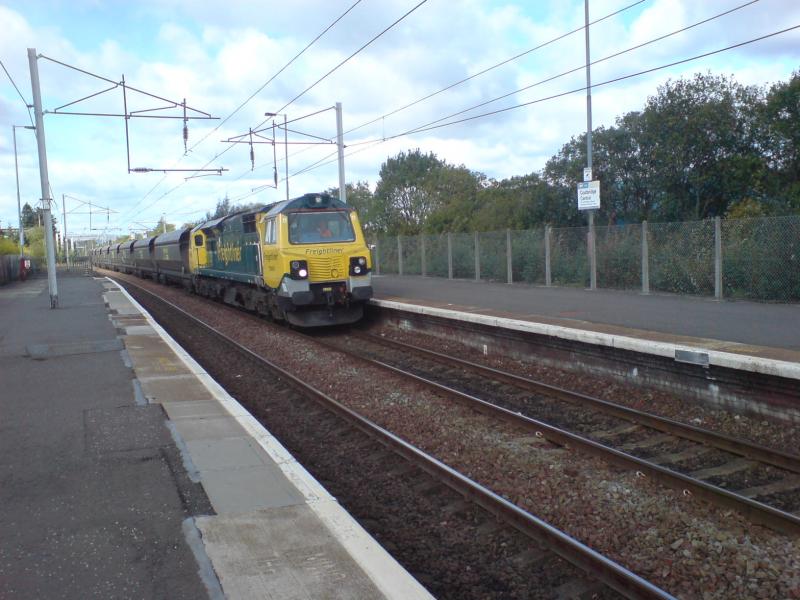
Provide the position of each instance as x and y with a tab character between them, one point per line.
589	199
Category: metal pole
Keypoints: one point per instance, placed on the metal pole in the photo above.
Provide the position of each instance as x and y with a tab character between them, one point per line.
449	255
340	151
590	239
48	220
508	256
477	247
19	208
399	255
717	258
422	257
163	222
548	281
66	242
645	260
286	155
377	256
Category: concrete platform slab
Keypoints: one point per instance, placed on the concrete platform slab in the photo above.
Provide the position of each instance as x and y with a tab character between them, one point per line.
173	388
251	550
194	410
214	428
243	490
155	362
226	453
139	330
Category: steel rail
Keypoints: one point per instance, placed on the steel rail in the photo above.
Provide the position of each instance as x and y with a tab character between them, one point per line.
585	558
776	458
757	512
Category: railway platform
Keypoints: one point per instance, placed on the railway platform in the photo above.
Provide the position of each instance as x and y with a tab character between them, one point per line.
128	472
748	336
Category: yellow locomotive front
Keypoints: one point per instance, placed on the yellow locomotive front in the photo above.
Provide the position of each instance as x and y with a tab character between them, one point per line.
316	261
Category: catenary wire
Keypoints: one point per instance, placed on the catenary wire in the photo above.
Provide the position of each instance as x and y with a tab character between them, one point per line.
321	162
552	97
253	95
298	96
497	65
25	102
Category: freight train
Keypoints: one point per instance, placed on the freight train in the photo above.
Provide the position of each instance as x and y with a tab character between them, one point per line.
304	261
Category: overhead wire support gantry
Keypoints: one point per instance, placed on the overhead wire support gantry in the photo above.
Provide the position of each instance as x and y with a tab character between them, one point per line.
188	113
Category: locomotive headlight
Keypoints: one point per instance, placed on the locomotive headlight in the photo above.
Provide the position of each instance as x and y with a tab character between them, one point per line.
298	269
358	266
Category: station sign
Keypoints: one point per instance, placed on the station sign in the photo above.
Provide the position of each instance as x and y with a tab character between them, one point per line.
588	195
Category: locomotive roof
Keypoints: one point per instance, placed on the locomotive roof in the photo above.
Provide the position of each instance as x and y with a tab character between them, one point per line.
305	202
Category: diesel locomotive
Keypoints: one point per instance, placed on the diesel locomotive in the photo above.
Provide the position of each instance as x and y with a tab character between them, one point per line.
304	261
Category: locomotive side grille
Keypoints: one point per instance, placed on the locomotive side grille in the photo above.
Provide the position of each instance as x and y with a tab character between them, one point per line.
323	268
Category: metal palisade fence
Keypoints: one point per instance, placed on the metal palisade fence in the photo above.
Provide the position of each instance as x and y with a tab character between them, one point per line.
757	258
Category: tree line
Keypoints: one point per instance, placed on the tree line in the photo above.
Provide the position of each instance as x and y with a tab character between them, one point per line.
699	148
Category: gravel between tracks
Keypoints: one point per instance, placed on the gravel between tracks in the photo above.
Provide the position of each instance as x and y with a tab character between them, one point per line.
685	546
774	434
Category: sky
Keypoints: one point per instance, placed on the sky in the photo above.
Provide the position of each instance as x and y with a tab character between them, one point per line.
229	60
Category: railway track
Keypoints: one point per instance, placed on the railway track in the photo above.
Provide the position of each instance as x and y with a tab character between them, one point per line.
759	482
366	463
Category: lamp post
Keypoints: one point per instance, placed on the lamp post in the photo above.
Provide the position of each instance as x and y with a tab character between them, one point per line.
16	173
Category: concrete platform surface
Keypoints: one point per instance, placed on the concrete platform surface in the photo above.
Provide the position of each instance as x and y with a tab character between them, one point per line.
128	472
743	335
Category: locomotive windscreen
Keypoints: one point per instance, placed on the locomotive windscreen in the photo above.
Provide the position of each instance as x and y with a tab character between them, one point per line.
320	227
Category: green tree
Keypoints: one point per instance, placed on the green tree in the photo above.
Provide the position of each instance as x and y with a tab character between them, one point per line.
224	207
779	134
28	216
8	246
360	197
414	186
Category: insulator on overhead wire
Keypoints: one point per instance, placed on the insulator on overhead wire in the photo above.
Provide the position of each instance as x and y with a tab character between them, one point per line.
185	135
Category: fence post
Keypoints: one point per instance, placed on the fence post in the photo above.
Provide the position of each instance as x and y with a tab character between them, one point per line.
422	257
399	255
508	256
377	256
717	258
477	258
449	255
645	261
548	281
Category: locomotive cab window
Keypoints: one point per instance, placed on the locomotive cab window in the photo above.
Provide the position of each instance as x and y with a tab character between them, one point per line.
320	227
211	245
198	240
269	235
249	224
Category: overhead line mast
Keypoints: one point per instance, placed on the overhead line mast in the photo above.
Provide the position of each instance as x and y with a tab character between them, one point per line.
52	284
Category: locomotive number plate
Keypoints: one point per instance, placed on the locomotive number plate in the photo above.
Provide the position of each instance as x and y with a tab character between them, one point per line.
327	289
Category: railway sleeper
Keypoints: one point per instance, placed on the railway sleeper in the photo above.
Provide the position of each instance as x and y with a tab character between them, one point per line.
648	442
676	457
579	589
782	485
616	431
728	468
